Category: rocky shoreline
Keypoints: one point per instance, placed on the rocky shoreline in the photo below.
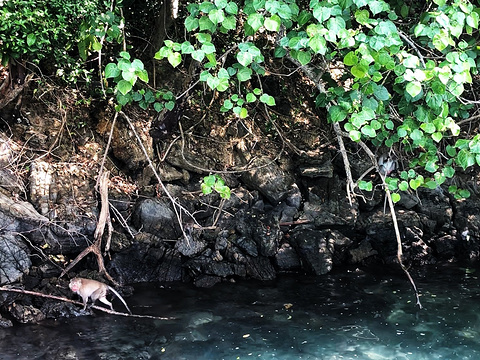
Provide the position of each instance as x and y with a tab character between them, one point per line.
285	214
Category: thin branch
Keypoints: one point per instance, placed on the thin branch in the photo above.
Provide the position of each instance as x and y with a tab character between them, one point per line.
60	298
413	45
394	220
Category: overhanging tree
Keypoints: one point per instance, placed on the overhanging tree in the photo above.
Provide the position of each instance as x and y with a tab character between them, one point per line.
403	79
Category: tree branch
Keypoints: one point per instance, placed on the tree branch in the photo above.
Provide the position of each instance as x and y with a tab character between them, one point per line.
59	298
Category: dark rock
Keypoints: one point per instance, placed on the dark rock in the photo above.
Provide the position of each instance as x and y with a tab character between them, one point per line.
445	246
315	250
342	245
264	229
26	314
287	258
260	268
363	251
189	246
156	217
14	259
381	232
436	206
5	323
416	251
268	179
327	204
294	197
248	245
146	262
206	281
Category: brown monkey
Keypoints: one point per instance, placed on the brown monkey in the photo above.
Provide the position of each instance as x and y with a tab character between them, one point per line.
94	290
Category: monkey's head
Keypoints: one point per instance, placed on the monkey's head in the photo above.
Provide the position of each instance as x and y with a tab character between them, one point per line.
74	284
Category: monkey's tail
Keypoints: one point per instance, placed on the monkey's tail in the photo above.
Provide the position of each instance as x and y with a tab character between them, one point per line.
121	298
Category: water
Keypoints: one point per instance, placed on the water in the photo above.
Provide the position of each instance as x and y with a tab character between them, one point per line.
346	315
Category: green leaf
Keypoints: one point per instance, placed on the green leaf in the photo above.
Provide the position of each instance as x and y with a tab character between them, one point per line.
255	20
245	58
304	57
230	23
381	93
227	104
437	136
111	71
362	17
429	128
272	23
465	159
386	28
359	70
187	48
267	99
231	8
206	24
350	59
335	24
413	88
124	87
369	131
244	74
223	84
243	113
403	186
449	171
318	44
416	135
336	113
416	183
198	55
221	4
395	197
365	185
175	58
250	98
355	135
208	48
431	166
125	55
158	106
321	13
216	16
456	89
442	40
377	6
31	39
212	82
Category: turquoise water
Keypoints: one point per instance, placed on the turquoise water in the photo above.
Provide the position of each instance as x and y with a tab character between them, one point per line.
346	315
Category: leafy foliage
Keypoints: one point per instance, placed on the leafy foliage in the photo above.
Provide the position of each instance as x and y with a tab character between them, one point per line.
399	87
57	32
125	74
212	183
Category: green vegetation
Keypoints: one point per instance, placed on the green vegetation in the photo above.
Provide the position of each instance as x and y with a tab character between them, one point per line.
403	79
59	33
215	183
403	71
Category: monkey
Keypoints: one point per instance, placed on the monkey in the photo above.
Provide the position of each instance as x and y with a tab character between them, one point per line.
94	290
386	164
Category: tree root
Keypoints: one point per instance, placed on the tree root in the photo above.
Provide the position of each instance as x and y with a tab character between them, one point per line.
103	219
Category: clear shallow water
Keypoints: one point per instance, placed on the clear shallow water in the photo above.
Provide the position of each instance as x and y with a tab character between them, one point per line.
347	315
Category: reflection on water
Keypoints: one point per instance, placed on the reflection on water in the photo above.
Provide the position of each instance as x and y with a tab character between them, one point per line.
348	315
